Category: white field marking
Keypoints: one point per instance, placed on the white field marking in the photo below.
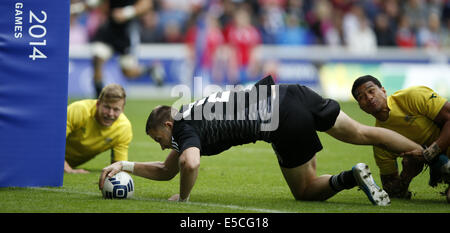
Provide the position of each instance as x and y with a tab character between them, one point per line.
235	207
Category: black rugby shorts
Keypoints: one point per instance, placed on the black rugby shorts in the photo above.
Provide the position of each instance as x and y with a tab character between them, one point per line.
115	35
302	113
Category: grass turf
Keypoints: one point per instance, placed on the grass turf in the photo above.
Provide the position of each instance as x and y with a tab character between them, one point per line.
243	179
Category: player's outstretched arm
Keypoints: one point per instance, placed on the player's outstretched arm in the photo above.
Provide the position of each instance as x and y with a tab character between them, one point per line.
158	170
151	170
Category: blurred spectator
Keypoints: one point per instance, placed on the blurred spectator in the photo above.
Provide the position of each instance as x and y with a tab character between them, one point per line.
226	17
416	12
446	25
78	33
296	7
363	39
204	38
233	57
429	36
385	34
405	36
293	22
343	5
96	18
360	37
223	37
372	8
272	21
173	15
435	6
293	33
350	22
401	23
326	23
392	11
173	32
243	38
149	28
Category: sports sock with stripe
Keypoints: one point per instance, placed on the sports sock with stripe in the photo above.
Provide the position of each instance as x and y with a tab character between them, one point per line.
344	180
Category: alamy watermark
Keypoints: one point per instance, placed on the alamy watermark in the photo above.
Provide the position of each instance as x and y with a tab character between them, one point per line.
210	105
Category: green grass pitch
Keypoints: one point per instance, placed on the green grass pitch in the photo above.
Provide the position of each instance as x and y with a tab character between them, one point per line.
244	179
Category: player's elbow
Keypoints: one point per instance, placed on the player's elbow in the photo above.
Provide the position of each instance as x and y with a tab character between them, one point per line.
189	160
189	164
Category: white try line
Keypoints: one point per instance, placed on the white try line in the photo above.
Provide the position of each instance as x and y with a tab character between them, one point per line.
235	207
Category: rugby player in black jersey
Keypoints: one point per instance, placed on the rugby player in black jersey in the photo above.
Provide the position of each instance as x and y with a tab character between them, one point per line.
287	116
119	34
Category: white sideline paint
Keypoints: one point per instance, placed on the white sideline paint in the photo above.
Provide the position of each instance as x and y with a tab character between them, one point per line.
235	207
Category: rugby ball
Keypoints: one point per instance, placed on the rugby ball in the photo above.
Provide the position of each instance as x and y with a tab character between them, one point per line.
120	186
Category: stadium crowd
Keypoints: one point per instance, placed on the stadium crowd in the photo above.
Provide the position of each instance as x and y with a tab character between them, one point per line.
363	24
223	36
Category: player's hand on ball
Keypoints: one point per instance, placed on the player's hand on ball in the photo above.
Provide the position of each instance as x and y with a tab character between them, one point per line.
109	171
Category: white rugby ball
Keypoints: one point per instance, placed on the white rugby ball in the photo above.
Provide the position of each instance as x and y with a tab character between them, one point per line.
120	186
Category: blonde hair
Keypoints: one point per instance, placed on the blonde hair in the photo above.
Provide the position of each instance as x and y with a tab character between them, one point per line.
112	93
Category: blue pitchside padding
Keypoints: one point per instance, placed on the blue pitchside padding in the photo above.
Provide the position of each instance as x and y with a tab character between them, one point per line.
34	40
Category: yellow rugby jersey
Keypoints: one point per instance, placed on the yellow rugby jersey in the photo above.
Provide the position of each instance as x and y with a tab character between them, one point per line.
85	137
412	111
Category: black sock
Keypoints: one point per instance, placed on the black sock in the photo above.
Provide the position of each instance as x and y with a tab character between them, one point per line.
98	87
345	180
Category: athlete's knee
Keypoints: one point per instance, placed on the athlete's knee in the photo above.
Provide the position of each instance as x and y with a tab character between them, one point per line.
308	192
305	195
301	196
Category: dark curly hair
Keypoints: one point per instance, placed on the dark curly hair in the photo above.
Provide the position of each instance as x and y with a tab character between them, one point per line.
361	80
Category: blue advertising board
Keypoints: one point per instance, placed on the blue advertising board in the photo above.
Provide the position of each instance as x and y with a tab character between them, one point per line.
34	40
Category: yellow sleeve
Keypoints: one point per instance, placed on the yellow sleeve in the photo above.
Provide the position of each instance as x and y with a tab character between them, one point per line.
68	127
423	100
120	149
386	161
76	114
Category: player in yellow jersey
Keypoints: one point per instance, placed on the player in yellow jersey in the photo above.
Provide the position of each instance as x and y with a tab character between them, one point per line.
95	126
417	113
